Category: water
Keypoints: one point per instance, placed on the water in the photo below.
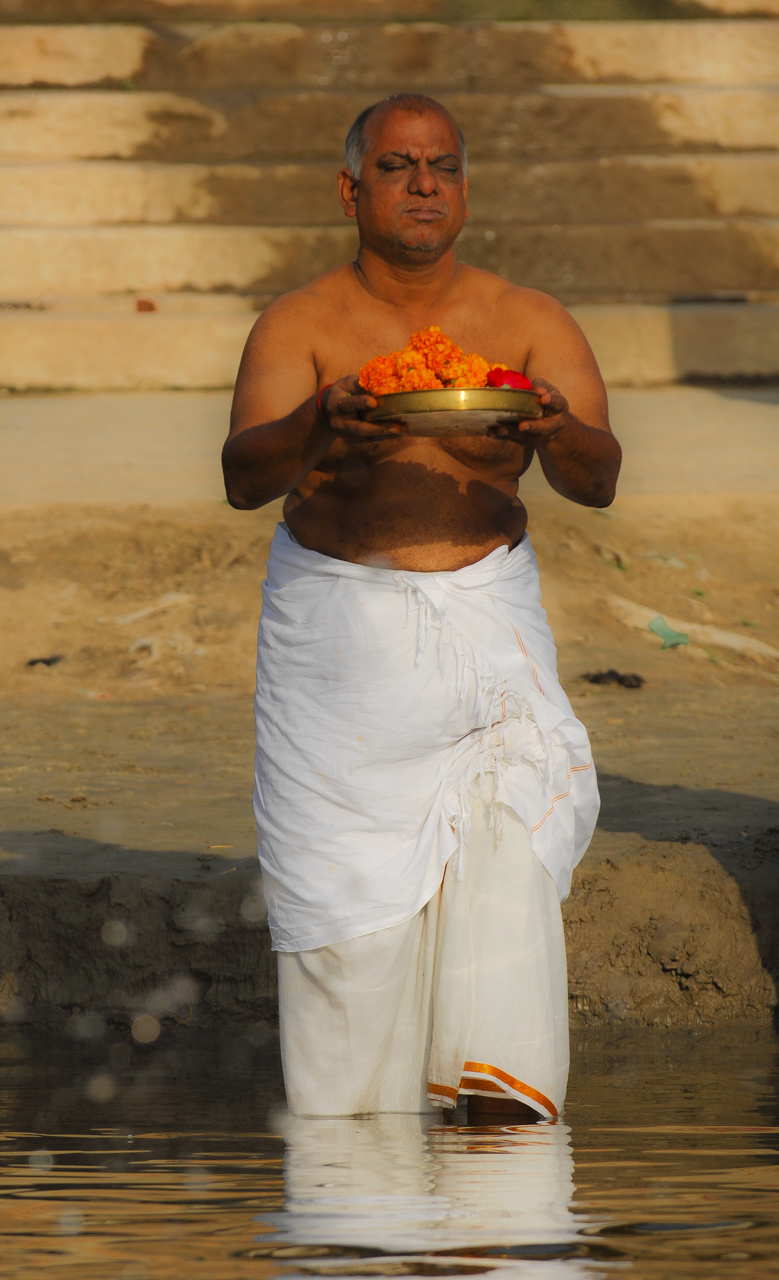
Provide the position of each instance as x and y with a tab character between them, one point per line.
177	1159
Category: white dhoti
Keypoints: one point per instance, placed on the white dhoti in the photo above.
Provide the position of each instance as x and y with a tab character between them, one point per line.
422	794
468	996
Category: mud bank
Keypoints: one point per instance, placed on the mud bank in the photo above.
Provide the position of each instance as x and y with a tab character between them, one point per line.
659	934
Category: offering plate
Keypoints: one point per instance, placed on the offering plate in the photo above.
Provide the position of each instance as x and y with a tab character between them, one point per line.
451	411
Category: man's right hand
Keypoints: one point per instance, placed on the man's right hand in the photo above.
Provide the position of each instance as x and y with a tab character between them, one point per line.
342	404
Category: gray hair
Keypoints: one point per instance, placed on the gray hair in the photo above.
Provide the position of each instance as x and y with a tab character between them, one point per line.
357	141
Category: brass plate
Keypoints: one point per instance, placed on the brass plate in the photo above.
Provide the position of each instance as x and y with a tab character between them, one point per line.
469	411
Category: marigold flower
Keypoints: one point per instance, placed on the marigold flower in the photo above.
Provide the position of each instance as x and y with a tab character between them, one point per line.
428	362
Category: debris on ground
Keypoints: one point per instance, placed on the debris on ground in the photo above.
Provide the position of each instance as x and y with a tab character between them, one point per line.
640	617
615	558
45	662
671	562
171	600
628	680
670	637
147	645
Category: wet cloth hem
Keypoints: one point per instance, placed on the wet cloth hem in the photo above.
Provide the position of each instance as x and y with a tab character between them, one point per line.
487	1080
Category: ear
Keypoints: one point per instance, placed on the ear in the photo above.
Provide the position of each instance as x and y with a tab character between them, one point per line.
347	192
465	196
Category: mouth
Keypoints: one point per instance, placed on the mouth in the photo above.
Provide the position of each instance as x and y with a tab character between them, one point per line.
424	213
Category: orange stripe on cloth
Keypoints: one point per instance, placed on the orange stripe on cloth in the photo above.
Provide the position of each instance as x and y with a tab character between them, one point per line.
485	1086
484	1068
442	1091
550	810
575	768
525	652
447	1093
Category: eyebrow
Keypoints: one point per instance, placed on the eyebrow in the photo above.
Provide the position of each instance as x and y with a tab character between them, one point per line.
404	155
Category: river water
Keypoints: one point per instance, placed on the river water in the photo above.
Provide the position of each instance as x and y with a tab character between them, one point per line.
178	1159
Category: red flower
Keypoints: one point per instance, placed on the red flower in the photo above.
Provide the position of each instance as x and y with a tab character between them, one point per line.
508	378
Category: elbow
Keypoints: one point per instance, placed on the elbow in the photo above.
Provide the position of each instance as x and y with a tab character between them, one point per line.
236	493
605	487
604	495
601	491
239	503
240	499
240	492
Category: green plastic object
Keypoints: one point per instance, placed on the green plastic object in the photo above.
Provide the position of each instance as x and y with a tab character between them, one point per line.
669	637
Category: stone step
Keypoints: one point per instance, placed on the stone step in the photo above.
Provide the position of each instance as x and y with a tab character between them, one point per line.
145	302
636	345
550	122
93	349
733	8
615	189
384	58
102	260
69	11
166	11
660	259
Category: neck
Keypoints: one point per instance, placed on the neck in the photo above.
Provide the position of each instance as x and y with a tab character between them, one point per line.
409	288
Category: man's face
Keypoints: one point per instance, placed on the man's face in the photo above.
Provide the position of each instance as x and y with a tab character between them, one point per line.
410	201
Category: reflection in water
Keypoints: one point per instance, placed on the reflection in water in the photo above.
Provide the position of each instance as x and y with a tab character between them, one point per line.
669	1171
402	1183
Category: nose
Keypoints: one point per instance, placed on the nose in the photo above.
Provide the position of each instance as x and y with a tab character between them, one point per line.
423	181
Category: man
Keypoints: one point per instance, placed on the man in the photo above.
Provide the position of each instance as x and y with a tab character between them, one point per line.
423	789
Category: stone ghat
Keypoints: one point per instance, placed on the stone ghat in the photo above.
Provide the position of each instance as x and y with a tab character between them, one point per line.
180	158
15	11
424	55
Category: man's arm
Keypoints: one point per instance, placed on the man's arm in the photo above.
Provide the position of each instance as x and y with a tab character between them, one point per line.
278	434
577	451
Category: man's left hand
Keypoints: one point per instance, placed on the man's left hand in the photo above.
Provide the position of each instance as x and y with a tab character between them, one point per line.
537	432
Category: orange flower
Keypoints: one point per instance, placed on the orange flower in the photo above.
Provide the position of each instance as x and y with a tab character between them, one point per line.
428	361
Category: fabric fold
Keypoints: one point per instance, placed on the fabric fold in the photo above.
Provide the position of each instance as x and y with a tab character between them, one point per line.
382	698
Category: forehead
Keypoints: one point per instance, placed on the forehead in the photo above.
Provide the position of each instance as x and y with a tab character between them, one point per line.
397	129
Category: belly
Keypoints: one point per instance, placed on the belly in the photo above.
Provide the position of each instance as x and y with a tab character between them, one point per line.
468	451
411	503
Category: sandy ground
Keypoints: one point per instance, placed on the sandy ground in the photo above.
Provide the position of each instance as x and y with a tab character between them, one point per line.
128	762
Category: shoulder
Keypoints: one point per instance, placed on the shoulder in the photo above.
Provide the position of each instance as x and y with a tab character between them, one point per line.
514	301
545	322
522	309
301	313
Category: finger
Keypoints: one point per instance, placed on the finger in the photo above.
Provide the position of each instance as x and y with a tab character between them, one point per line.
352	405
539	435
532	424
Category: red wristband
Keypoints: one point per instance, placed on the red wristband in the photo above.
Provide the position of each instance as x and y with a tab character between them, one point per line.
319	397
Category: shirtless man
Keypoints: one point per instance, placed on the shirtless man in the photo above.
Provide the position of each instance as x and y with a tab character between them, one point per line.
371	495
